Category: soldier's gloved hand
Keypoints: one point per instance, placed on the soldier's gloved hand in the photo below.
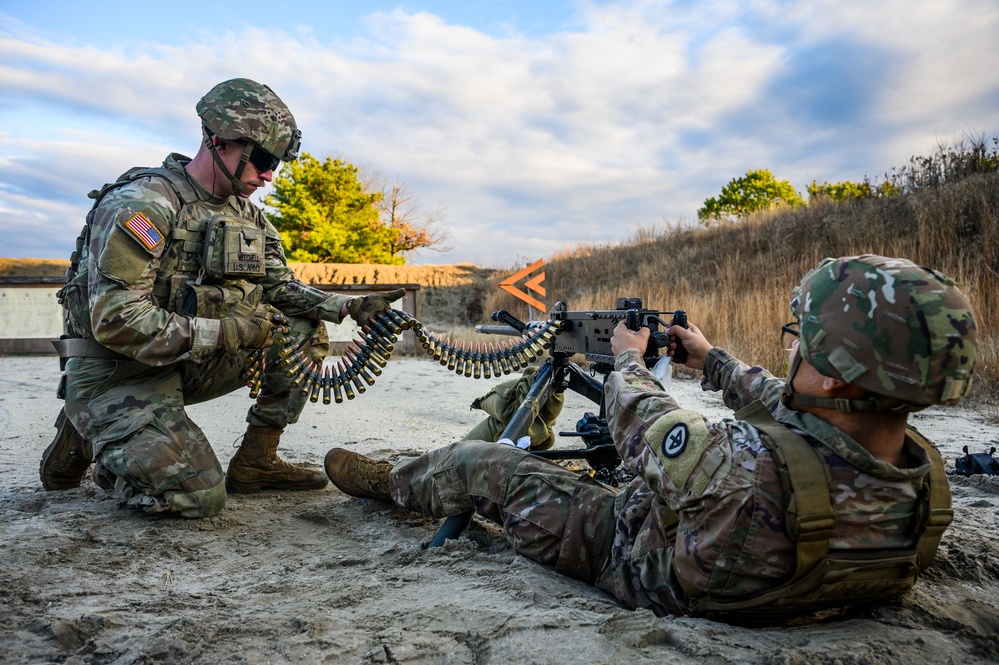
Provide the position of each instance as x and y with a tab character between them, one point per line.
363	308
251	327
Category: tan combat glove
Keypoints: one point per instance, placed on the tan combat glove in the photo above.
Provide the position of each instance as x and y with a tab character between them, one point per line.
250	327
363	308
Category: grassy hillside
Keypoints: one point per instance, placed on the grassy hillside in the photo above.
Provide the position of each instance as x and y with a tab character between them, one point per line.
735	280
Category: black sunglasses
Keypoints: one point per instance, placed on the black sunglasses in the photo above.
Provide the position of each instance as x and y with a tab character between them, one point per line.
262	160
789	334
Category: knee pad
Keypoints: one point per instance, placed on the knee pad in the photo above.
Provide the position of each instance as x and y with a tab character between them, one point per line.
198	503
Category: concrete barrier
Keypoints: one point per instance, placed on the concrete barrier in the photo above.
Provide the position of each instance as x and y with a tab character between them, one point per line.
31	317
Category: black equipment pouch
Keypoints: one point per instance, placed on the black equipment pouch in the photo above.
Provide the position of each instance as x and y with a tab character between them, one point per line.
234	248
217	301
76	305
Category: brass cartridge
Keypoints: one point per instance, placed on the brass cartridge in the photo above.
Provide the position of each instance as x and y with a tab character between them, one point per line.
317	383
341	380
389	324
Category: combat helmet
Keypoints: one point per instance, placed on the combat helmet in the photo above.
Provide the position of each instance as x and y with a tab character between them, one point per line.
905	334
244	110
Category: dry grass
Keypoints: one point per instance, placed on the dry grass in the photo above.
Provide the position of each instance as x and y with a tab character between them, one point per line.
33	267
735	280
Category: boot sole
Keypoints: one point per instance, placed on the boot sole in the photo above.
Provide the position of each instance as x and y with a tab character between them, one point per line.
49	481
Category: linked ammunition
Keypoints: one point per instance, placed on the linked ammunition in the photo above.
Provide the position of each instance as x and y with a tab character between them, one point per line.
352	375
296	365
341	379
382	344
510	351
385	320
402	323
364	358
469	361
375	356
494	361
254	378
535	347
383	332
487	367
334	384
358	366
311	387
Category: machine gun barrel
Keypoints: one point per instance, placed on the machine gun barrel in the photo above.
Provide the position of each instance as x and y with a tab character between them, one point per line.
496	330
530	326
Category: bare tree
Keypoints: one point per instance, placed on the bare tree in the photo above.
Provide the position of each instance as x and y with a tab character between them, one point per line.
400	209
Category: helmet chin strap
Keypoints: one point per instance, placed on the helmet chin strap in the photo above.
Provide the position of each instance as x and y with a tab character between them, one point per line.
843	405
237	186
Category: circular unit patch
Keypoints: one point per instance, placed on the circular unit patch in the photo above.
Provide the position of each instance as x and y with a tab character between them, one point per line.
675	441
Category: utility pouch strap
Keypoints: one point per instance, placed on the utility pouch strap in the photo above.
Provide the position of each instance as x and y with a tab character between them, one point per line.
810	518
937	511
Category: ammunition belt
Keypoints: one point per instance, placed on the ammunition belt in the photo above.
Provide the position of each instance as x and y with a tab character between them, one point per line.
365	358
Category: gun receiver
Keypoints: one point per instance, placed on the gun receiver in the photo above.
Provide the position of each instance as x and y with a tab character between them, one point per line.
589	332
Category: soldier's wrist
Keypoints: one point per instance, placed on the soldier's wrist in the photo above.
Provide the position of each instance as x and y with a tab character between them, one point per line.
207	338
334	308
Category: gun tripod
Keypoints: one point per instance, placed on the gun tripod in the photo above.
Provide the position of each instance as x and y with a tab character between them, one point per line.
555	375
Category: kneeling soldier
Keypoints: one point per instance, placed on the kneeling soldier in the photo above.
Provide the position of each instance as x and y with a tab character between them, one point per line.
176	294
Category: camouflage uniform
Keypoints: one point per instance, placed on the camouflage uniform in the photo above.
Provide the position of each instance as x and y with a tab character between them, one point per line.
133	412
729	539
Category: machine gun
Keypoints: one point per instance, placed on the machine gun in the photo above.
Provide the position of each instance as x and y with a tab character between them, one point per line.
586	332
589	332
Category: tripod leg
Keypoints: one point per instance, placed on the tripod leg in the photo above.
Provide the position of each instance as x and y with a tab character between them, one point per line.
518	426
452	528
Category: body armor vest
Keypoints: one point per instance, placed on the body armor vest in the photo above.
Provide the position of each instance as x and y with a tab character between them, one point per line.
205	245
825	578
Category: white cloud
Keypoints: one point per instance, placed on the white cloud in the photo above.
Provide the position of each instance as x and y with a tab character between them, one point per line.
640	111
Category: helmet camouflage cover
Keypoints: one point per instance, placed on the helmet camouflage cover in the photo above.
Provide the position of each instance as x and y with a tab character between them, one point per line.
241	109
888	326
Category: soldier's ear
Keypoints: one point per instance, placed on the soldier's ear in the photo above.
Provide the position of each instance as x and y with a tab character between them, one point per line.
835	386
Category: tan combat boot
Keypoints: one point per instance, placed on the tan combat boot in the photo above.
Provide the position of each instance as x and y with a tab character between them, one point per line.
358	475
65	461
256	466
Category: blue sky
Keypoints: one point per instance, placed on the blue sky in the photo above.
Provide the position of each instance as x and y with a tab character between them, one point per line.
535	126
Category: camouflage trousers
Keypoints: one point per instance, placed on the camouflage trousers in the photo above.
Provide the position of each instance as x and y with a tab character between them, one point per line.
147	450
549	514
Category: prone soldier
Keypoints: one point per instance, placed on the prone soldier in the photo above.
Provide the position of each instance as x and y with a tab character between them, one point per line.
815	494
176	295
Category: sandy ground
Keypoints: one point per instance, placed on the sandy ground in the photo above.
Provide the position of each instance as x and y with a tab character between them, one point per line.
320	577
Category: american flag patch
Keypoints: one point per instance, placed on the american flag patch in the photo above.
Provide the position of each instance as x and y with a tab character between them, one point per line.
143	230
